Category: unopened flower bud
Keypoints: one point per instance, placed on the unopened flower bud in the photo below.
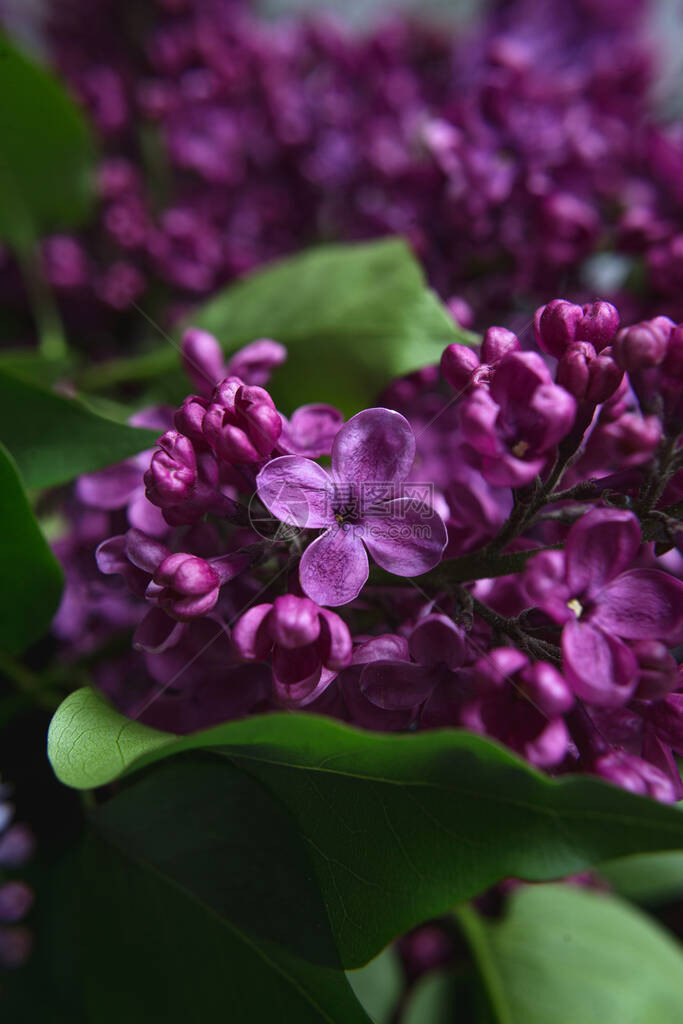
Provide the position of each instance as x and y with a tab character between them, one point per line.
599	324
573	371
458	363
498	341
643	345
556	326
604	377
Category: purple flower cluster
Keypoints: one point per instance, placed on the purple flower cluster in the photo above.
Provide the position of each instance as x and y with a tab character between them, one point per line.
16	898
500	540
506	155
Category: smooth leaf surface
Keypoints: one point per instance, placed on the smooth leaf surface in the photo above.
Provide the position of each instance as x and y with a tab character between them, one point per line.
565	954
400	827
210	906
351	316
46	157
31	579
54	439
378	985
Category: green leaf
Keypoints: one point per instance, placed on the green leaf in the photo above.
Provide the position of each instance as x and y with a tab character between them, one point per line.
651	879
352	317
46	159
54	439
31	579
565	955
401	827
200	900
378	985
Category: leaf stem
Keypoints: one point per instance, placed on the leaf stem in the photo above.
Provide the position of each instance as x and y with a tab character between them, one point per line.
474	931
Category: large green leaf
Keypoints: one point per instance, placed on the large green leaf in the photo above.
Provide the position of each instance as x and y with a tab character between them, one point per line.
31	579
201	896
568	955
352	317
46	156
400	827
53	439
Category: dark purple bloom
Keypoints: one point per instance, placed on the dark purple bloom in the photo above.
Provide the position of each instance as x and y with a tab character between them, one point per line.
181	586
361	502
241	424
515	423
589	589
308	645
521	704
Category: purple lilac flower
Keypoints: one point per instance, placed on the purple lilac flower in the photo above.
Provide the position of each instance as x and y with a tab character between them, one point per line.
590	590
515	423
180	586
360	503
309	645
522	704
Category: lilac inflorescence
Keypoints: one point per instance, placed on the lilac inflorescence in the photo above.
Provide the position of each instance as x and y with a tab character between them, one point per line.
502	552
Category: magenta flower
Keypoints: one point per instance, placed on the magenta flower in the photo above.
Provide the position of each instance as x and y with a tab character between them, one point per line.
590	591
391	677
180	586
308	644
515	423
362	503
521	704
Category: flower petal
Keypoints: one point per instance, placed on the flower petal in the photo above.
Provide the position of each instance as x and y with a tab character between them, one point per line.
334	568
643	604
297	491
408	540
335	640
157	632
437	640
397	685
602	544
251	635
598	667
376	445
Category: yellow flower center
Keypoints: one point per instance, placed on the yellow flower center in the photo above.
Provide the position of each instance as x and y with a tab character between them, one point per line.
576	607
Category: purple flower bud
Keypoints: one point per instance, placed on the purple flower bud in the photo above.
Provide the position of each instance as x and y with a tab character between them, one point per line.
173	470
604	377
643	345
573	370
599	324
498	341
185	586
546	688
242	425
458	364
556	326
189	418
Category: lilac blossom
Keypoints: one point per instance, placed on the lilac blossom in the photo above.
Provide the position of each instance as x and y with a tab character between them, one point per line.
309	645
514	424
590	590
360	503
